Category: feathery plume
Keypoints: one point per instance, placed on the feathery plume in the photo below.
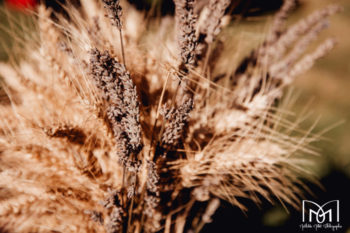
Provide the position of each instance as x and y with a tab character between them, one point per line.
280	20
211	27
115	221
275	52
95	216
115	12
152	178
176	118
186	20
308	60
277	70
123	113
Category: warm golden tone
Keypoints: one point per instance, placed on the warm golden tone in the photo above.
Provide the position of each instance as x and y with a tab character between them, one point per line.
118	122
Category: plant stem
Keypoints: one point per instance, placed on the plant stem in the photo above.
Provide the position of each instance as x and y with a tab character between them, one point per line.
122	46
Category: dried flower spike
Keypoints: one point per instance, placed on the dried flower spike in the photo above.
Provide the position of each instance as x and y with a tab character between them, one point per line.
186	20
123	112
211	28
176	118
114	12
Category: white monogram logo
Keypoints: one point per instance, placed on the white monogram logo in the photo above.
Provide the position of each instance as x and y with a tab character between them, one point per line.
317	216
327	212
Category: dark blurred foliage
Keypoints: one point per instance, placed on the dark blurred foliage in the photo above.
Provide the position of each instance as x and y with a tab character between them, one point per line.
229	219
164	7
58	5
245	7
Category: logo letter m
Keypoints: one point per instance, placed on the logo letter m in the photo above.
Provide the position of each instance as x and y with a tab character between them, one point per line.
320	213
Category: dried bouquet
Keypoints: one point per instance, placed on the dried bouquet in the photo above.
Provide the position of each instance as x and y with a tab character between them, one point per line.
120	122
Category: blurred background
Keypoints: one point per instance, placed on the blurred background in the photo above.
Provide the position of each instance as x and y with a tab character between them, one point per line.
326	85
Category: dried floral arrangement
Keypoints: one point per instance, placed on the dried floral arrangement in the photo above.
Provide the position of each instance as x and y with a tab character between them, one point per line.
122	123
